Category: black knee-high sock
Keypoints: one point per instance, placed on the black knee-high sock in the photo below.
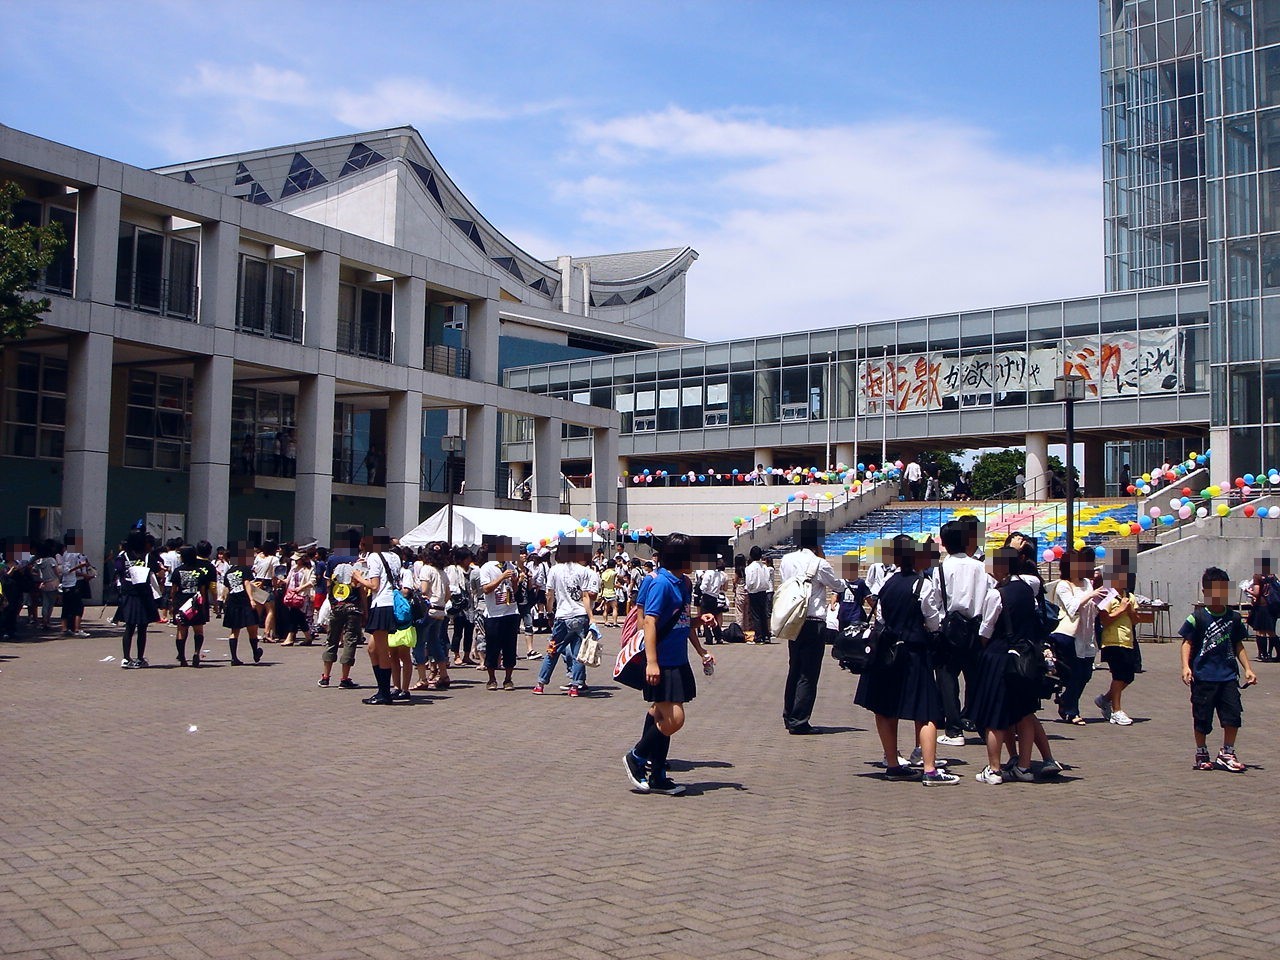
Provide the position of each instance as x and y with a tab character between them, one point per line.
383	676
646	745
142	641
659	756
127	642
233	643
181	643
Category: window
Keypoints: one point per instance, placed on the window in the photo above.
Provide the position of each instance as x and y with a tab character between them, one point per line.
268	300
157	424
59	276
259	530
155	272
166	526
644	424
262	421
36	407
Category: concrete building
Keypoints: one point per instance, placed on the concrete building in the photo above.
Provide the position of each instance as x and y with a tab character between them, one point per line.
275	344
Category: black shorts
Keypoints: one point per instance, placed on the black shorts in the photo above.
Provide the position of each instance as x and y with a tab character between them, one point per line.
709	603
1123	662
1220	695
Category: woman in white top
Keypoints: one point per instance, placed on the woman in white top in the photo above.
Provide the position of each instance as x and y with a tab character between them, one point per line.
1075	644
381	578
432	648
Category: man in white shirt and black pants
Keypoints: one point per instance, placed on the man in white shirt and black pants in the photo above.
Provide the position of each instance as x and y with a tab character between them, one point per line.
759	580
805	652
963	584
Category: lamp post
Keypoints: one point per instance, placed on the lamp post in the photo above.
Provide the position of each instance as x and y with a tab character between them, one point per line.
827	402
451	443
1068	390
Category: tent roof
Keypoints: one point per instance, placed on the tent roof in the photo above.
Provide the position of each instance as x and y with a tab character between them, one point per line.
472	523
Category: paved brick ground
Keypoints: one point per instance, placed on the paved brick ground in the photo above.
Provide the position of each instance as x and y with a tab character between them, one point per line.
295	822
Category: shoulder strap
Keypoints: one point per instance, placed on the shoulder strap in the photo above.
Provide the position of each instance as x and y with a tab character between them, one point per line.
386	568
942	581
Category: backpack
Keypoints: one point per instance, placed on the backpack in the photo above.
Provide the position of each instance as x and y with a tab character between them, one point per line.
733	634
958	638
790	604
1272	597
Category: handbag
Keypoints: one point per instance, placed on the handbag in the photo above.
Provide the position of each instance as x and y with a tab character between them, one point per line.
590	650
958	638
790	604
258	594
629	664
854	648
189	612
400	606
294	599
891	647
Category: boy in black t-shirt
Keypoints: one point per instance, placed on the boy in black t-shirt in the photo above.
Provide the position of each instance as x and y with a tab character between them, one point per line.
1213	657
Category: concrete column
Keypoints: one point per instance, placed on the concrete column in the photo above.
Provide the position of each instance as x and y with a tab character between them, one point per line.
482	341
313	499
409	316
219	274
1094	468
1219	445
481	447
320	303
404	460
844	454
1037	468
84	455
604	474
766	399
97	245
546	464
208	493
763	456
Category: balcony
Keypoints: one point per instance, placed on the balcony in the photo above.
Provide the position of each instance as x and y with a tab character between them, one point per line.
450	361
267	319
152	294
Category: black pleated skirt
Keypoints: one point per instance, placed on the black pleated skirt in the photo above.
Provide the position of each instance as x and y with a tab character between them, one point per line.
908	692
238	613
996	702
677	685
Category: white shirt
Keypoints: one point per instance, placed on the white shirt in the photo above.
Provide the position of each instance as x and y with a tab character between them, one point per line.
967	586
68	562
500	601
386	585
913	471
432	583
759	577
711	582
1076	604
930	604
568	582
877	574
804	563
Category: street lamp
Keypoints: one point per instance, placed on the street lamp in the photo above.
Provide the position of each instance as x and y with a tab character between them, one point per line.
1068	390
451	443
827	401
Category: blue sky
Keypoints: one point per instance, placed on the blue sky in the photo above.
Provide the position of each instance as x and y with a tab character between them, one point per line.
831	162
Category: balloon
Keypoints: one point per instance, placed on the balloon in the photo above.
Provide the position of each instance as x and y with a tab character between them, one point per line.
702	478
1137	527
1248	479
735	471
829	495
764	508
1239	482
1131	489
1184	513
637	478
1202	512
1144	523
1274	513
648	479
1223	510
646	472
791	498
648	529
1079	544
1168	520
1154	512
1146	477
1058	552
529	548
1047	556
1100	553
1248	510
1186	491
1175	503
635	537
777	509
804	496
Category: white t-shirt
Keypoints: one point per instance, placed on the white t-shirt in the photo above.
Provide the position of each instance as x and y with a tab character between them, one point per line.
433	584
569	581
386	585
68	562
264	568
501	601
712	582
805	563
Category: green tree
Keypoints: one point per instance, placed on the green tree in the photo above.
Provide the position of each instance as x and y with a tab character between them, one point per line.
996	473
948	469
25	251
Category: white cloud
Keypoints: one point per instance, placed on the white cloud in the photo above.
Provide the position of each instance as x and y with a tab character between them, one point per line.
807	226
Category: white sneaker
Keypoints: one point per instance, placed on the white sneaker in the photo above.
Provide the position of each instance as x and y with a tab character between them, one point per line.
1120	718
1103	704
989	775
83	634
950	741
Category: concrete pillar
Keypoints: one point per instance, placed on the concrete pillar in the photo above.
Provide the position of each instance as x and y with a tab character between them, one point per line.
766	398
84	454
208	493
1037	467
313	499
219	274
604	474
320	303
1094	468
97	244
763	457
547	432
481	448
1219	446
844	454
409	317
482	341
404	460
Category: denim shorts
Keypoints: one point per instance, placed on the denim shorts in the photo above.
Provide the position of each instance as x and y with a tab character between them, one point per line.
433	642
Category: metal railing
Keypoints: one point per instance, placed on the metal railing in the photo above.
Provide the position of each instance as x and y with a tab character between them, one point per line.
151	294
266	319
450	361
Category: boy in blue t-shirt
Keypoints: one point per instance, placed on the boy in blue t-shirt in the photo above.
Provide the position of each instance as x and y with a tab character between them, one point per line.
669	680
1213	657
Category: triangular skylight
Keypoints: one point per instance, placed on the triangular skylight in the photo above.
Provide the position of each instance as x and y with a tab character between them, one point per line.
469	228
302	176
428	180
362	155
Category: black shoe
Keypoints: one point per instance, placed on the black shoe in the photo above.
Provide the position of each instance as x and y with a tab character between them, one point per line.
804	731
195	660
322	682
346	683
968	726
182	662
402	695
901	773
257	654
377	700
665	785
636	772
237	663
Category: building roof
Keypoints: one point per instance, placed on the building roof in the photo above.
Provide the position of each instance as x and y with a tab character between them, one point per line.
629	267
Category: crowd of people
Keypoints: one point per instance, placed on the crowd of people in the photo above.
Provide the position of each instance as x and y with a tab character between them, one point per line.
940	617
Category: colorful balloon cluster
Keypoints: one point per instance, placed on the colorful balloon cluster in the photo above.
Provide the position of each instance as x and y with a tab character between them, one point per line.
1148	483
843	473
587	526
1056	553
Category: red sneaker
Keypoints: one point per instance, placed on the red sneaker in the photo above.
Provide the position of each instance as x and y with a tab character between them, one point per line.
537	688
573	691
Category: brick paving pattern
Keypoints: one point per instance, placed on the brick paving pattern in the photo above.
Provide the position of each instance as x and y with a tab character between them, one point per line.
292	821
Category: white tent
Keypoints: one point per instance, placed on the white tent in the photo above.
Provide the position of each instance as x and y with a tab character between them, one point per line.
472	523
